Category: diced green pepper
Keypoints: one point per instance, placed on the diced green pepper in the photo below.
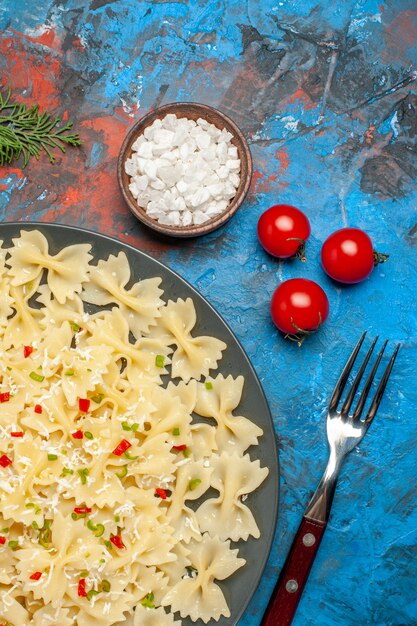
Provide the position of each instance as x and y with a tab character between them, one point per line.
38	377
159	360
148	601
194	483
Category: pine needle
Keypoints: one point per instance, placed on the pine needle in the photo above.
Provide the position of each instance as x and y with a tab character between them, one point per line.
26	132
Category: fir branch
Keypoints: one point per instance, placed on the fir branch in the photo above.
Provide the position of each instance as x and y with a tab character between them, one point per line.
26	132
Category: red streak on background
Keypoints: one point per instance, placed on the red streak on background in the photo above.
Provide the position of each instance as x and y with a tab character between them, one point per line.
300	95
110	131
262	183
401	34
36	73
47	37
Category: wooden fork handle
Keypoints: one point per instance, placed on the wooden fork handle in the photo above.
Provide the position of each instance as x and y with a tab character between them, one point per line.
287	593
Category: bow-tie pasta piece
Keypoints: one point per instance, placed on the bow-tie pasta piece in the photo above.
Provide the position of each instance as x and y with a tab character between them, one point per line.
112	329
226	516
3	253
186	392
23	328
139	305
200	597
56	416
153	617
192	481
155	359
103	609
144	616
28	464
11	611
66	271
110	491
54	313
169	416
71	542
6	300
202	437
218	398
50	615
7	569
155	463
194	356
83	370
175	570
204	443
153	548
146	580
14	383
27	257
55	341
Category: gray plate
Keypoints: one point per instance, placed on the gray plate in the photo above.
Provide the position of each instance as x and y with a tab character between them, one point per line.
263	503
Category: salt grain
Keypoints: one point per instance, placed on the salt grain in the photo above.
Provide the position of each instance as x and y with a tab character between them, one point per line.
183	172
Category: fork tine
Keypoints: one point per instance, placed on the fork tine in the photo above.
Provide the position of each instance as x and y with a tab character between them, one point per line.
349	398
381	388
362	398
340	385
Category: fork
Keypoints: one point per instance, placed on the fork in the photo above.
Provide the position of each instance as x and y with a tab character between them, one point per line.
344	431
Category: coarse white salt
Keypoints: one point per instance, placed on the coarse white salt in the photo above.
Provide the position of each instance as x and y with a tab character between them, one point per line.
183	172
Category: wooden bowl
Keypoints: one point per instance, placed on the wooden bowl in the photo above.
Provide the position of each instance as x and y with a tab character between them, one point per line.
191	111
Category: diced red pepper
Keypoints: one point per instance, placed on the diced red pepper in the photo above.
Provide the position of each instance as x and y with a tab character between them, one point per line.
5	397
117	541
5	461
78	434
180	448
84	404
161	493
36	576
122	447
27	351
81	510
2	541
19	433
82	592
38	408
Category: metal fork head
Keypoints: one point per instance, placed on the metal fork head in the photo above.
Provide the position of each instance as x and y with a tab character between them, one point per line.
345	429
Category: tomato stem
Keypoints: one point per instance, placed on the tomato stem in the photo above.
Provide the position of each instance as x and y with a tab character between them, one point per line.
301	250
301	334
380	257
297	338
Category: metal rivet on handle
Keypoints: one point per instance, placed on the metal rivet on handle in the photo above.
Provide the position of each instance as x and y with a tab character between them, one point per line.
291	586
309	540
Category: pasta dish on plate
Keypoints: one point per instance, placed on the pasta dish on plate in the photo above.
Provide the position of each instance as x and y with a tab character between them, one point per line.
124	467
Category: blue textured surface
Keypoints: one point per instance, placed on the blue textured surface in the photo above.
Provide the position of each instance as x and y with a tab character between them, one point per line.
326	97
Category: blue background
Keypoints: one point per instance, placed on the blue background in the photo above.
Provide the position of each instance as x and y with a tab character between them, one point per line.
326	96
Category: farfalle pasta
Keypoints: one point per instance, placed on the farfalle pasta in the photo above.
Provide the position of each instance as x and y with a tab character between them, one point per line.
194	356
233	433
65	272
107	512
226	516
6	300
139	305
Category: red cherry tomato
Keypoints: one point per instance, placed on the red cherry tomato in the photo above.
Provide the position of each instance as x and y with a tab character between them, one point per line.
282	230
347	255
299	306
